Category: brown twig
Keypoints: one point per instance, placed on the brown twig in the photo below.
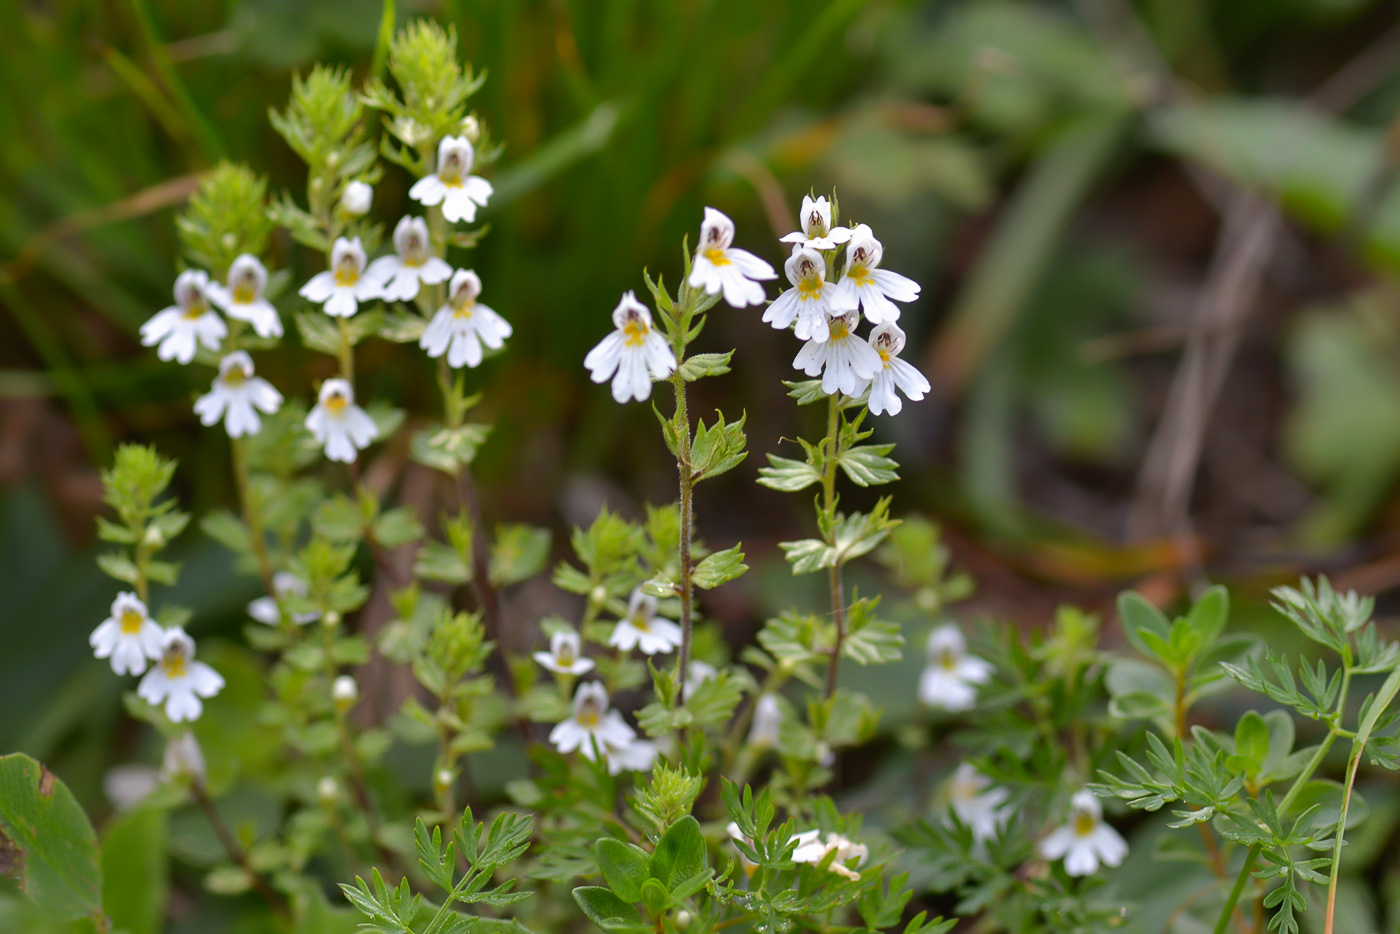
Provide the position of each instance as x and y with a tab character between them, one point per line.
235	850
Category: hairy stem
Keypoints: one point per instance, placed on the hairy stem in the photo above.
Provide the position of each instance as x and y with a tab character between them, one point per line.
346	356
838	599
250	516
687	495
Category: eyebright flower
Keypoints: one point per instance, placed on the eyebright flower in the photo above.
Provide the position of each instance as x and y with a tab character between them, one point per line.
1086	841
179	681
592	720
976	803
811	848
865	284
236	397
844	361
950	674
817	232
413	264
643	629
699	672
128	637
635	756
888	341
736	833
344	692
341	288
719	266
461	327
243	297
565	656
339	424
356	198
267	610
808	302
183	758
635	352
767	721
190	320
452	185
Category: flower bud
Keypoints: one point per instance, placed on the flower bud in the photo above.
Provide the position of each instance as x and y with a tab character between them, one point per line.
344	692
598	595
683	919
331	620
327	790
183	759
471	128
356	198
153	538
443	780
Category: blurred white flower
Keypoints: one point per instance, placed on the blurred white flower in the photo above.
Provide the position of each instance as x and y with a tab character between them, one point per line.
127	786
356	199
643	629
950	675
565	655
721	267
452	185
412	264
767	721
183	759
237	396
635	756
243	297
888	340
190	321
179	681
699	672
341	289
267	610
1086	841
977	803
868	286
817	232
635	352
813	848
592	720
845	362
128	636
344	692
340	425
808	302
462	327
735	833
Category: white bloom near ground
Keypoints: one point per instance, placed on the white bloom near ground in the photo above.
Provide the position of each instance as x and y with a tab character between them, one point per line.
812	848
565	655
128	636
268	610
177	331
643	629
977	803
1086	842
178	681
950	676
338	424
592	723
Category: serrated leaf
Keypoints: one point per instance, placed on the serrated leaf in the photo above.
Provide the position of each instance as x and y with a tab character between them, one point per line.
719	568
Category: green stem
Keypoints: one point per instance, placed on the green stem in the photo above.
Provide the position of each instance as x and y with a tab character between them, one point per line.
347	352
838	609
687	493
250	516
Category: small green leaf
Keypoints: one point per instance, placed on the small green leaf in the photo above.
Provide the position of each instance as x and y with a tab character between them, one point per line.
1141	620
519	552
604	908
680	853
705	364
1209	614
788	476
719	568
624	867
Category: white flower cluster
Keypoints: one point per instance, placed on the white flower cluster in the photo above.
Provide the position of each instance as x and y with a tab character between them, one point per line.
129	638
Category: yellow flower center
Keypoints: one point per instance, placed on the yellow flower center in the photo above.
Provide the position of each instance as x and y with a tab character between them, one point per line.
450	174
809	289
196	309
635	332
948	661
884	354
346	274
1084	824
839	330
860	275
641	623
716	256
246	291
589	715
173	663
131	621
565	657
336	403
235	376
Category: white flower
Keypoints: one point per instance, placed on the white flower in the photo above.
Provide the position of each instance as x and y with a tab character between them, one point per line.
183	758
817	232
128	637
699	672
1086	841
894	373
869	286
461	327
327	790
635	352
189	321
243	297
129	785
268	610
845	362
592	720
811	848
735	833
339	424
236	397
635	756
719	266
453	186
356	198
412	266
767	720
643	629
950	674
808	302
344	692
341	288
976	803
565	655
179	681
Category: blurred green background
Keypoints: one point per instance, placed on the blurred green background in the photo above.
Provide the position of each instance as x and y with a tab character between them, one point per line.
1157	241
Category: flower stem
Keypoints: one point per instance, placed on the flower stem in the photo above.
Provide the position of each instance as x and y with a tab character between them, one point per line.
235	851
347	352
250	516
687	521
838	609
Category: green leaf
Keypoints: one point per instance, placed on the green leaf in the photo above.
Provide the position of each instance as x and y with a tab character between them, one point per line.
808	555
705	364
398	526
1252	741
680	853
117	565
46	842
624	867
788	476
440	562
1141	621
402	328
228	530
719	568
867	465
135	866
519	553
1208	615
717	448
449	449
604	908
